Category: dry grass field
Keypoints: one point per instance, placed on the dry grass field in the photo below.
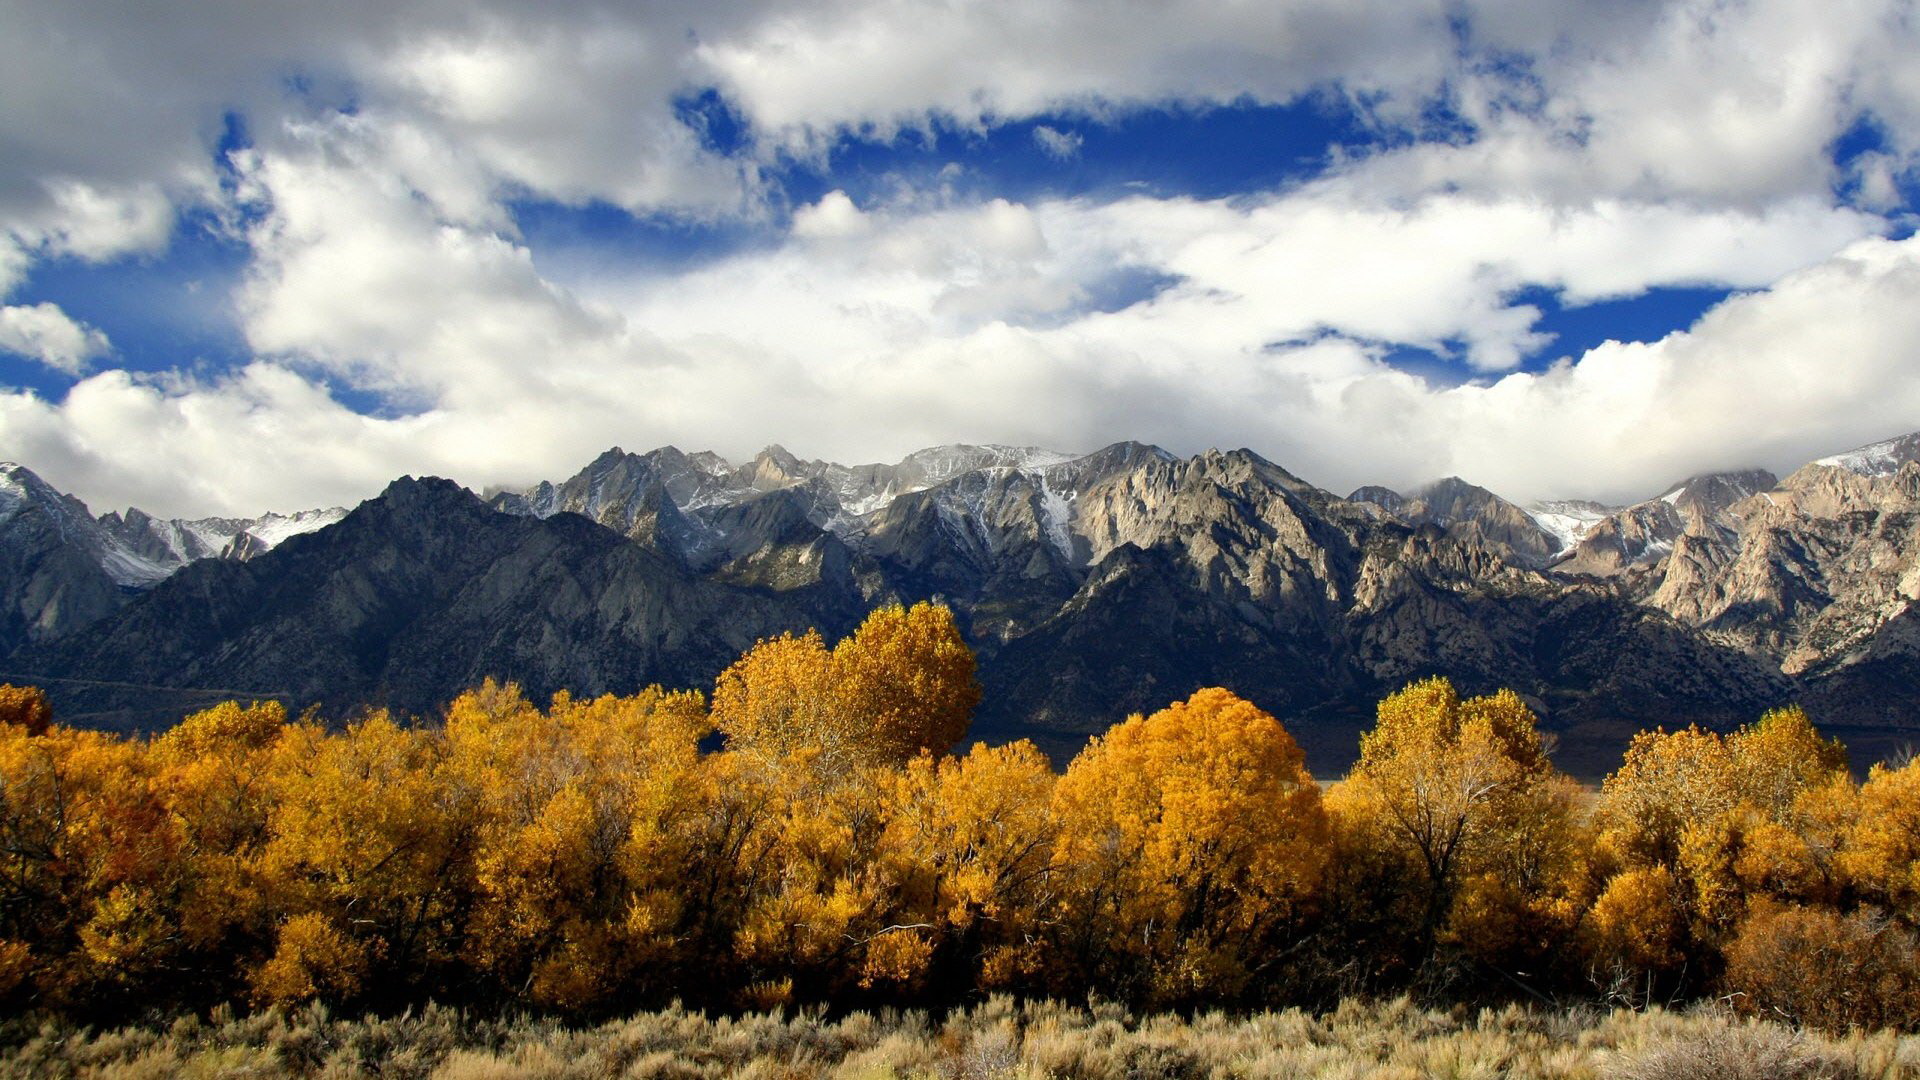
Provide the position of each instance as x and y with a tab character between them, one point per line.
1391	1040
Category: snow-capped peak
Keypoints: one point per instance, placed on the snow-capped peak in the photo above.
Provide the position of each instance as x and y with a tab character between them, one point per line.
1877	459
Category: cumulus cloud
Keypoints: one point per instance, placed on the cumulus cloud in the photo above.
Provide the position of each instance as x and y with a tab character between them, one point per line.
874	331
45	333
1593	151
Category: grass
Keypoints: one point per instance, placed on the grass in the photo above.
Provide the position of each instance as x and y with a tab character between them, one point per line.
998	1040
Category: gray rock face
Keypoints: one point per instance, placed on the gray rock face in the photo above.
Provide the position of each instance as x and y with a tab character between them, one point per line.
415	594
51	578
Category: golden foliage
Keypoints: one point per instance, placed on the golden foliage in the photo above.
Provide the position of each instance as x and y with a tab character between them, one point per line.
906	678
1460	795
779	698
1817	966
311	958
902	683
581	824
1758	815
1881	851
589	853
25	707
1189	840
1639	922
1668	781
968	844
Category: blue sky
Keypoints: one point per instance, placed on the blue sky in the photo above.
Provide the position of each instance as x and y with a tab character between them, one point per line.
254	259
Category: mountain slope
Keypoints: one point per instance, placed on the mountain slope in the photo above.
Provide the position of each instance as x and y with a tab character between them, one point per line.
62	569
415	593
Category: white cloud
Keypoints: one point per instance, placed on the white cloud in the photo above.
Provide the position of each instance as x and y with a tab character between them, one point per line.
1058	144
875	331
1605	152
834	217
45	333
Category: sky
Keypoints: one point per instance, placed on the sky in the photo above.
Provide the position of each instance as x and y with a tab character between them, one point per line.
268	256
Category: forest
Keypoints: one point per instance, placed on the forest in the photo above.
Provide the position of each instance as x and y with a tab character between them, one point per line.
805	835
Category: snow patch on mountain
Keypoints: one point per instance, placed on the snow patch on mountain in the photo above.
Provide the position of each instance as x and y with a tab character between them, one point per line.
1056	510
1567	520
272	530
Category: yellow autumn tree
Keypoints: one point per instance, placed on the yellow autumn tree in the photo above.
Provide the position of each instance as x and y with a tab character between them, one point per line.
969	843
1639	923
25	707
1757	815
779	698
583	834
1824	968
371	832
209	772
1880	853
1671	782
91	880
1191	843
816	906
1460	792
1668	781
903	682
906	681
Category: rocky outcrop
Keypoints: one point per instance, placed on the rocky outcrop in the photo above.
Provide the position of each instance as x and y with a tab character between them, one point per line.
1700	512
1470	512
62	569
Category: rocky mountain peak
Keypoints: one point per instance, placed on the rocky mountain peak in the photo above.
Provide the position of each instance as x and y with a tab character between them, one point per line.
1711	494
1470	512
410	496
1091	585
1385	498
1883	458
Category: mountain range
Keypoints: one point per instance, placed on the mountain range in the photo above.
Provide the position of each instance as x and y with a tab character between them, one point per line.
1090	586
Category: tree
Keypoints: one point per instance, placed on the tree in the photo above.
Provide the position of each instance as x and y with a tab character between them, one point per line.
902	683
370	831
25	707
906	680
1456	789
210	774
1191	843
968	843
1667	782
1734	817
583	834
1638	924
89	871
1816	966
779	698
1881	851
1779	756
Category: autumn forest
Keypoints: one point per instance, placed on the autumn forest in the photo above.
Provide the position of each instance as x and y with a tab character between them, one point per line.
807	834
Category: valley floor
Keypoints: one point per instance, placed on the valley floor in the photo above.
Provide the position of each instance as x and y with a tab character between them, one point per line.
999	1039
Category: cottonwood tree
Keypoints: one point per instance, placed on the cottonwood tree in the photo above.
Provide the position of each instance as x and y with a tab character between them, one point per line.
902	683
1191	843
585	821
1720	823
25	707
968	844
1458	791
